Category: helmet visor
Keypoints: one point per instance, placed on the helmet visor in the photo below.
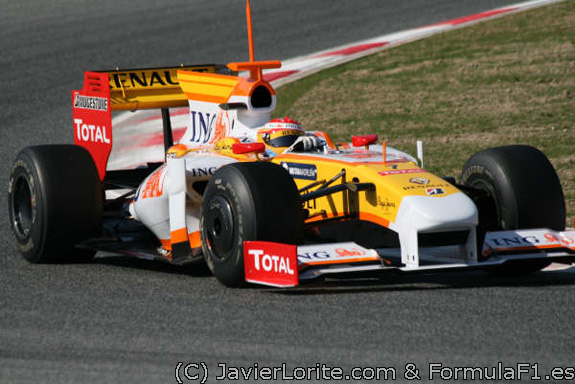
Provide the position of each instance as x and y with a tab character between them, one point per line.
281	138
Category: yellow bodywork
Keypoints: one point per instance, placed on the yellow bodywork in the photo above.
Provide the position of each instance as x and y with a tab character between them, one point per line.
134	89
206	87
393	181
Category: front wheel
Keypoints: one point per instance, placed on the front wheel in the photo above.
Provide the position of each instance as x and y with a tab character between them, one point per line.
247	201
515	187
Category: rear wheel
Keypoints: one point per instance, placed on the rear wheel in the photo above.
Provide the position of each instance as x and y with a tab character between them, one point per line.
54	202
515	187
247	201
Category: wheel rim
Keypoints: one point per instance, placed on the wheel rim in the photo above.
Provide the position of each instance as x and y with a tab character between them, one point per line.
219	227
21	207
487	187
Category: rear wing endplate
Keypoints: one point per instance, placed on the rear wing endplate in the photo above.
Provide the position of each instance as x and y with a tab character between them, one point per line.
124	90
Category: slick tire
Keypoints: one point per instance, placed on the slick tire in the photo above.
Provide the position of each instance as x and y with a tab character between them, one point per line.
247	201
515	187
54	202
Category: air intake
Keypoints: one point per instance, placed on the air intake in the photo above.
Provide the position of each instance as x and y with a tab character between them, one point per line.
261	97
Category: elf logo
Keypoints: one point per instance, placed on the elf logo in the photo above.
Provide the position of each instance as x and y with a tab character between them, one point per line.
434	191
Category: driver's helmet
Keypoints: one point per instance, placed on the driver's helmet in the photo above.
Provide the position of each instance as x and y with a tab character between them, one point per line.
281	132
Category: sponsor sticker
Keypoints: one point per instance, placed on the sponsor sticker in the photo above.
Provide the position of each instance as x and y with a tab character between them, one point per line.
344	252
509	241
360	155
91	133
419	180
301	171
90	102
401	172
273	264
331	254
428	186
202	171
386	204
201	126
434	191
154	186
140	79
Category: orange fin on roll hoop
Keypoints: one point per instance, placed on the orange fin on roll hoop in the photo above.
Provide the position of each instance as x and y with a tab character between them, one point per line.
255	67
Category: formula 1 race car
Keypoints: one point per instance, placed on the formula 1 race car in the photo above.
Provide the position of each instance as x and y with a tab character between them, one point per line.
263	201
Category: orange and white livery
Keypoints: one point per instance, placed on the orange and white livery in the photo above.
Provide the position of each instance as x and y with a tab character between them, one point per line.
264	201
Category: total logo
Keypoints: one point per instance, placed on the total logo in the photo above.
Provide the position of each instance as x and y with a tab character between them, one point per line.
272	264
269	263
91	133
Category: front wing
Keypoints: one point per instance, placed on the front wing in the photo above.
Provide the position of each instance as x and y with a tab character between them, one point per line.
281	265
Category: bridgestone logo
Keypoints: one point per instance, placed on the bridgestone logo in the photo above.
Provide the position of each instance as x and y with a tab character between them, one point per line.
90	102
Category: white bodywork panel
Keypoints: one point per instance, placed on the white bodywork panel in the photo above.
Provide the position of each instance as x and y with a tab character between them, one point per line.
426	214
176	204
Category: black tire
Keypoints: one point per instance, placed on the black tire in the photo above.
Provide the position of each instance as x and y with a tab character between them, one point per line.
55	202
515	187
247	201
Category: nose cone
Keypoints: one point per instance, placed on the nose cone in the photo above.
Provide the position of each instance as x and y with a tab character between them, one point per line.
429	213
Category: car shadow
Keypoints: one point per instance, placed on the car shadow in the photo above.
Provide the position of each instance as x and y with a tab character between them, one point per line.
387	283
197	269
437	281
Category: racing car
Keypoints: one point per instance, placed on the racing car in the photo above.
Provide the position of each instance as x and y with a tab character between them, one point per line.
263	201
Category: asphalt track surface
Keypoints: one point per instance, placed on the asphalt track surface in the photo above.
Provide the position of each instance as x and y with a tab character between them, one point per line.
124	320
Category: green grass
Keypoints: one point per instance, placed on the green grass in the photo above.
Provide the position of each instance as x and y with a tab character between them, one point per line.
505	81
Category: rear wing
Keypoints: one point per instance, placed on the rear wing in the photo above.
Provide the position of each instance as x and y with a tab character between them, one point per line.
125	90
150	88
